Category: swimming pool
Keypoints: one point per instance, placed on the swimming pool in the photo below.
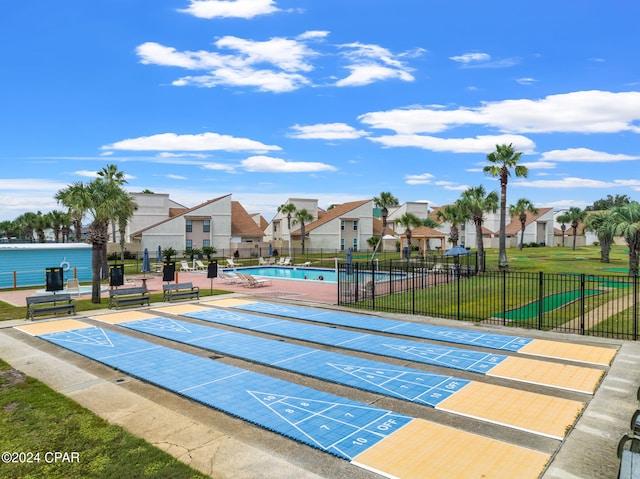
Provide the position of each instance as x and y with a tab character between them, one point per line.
329	275
299	273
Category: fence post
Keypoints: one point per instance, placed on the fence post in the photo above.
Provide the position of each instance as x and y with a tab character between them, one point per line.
540	299
635	308
504	297
373	287
582	303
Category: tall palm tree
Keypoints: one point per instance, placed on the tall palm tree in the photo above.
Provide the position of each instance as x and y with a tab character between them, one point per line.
126	207
603	225
454	215
113	175
303	217
409	221
576	216
384	201
627	220
520	209
502	161
563	219
27	225
289	210
476	202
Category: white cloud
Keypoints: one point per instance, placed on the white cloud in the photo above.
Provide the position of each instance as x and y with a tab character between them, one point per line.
200	142
526	81
327	131
483	60
219	167
467	58
572	182
539	165
585	155
94	174
582	112
422	179
230	8
370	63
276	65
176	177
278	165
479	144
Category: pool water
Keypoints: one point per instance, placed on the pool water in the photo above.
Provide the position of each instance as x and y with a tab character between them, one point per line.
291	273
296	273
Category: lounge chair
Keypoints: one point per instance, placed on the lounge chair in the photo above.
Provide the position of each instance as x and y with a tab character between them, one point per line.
184	267
263	262
73	287
229	278
253	282
232	263
284	261
306	263
200	266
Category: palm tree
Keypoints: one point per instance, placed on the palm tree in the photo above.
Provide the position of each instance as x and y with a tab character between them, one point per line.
627	220
113	175
454	215
603	225
57	220
75	198
409	220
27	223
303	217
563	219
503	160
520	209
288	209
475	202
125	210
576	216
384	201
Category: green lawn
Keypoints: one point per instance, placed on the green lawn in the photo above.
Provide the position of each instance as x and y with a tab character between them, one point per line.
35	419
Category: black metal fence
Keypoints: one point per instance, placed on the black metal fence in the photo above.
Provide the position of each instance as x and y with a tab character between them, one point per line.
603	306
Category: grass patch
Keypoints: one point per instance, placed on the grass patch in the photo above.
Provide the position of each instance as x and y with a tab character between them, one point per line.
34	418
8	311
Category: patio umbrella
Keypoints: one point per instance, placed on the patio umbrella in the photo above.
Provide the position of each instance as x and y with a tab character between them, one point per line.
349	262
145	261
456	251
270	250
159	257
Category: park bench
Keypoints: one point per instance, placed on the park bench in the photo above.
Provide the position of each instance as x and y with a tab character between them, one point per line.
180	291
629	454
48	304
128	296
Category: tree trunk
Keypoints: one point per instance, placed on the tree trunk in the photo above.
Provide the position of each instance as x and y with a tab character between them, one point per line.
98	236
479	246
502	259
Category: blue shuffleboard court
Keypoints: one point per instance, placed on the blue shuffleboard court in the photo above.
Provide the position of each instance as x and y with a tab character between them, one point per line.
472	361
405	383
331	423
373	323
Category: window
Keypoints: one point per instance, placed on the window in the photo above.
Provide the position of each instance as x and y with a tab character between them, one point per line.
355	225
355	244
189	225
189	244
341	244
342	225
206	243
206	226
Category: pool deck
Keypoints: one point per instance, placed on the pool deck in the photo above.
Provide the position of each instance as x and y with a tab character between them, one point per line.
308	291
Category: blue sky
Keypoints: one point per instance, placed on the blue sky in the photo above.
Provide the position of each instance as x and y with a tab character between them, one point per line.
337	100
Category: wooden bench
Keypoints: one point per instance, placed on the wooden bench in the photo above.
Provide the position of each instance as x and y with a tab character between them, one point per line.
48	304
128	297
180	291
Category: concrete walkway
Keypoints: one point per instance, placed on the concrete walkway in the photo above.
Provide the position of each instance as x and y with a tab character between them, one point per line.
224	447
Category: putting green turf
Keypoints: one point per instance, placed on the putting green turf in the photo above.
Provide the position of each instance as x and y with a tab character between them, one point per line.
549	303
